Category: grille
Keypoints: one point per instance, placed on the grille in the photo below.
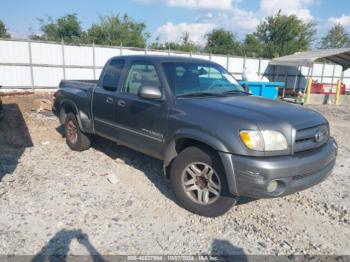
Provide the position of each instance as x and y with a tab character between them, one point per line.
310	138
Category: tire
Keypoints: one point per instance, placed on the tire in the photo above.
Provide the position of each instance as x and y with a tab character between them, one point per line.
75	139
182	182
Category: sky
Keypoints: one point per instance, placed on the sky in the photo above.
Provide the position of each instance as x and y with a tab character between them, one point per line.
168	20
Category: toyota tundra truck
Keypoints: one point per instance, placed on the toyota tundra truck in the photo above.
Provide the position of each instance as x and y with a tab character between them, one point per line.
217	142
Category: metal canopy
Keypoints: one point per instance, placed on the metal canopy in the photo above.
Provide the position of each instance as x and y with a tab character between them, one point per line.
340	56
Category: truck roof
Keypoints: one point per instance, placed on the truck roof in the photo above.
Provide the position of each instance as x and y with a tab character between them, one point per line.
163	58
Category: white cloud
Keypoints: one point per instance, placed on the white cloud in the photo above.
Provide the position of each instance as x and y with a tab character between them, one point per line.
299	8
238	20
201	4
344	20
170	32
230	17
193	4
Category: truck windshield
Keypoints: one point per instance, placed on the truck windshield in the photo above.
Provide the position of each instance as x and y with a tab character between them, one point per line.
200	79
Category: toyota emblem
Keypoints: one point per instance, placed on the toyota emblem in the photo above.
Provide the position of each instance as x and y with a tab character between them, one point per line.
319	136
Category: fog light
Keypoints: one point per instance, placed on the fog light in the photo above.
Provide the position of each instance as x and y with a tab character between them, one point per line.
272	186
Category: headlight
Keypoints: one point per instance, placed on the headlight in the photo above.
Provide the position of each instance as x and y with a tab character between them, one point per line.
252	139
266	140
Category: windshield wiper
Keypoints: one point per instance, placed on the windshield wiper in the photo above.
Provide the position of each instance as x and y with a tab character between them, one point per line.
198	94
235	92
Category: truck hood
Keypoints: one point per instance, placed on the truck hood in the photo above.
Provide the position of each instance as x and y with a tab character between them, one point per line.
260	110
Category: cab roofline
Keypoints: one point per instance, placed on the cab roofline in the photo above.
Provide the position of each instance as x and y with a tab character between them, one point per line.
162	58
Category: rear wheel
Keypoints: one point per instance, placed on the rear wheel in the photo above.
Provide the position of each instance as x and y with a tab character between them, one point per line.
75	139
199	182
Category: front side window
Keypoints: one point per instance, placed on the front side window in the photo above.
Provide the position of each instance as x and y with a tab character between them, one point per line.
196	78
112	74
141	74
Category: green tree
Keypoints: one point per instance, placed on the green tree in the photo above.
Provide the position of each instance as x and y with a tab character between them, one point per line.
3	31
186	45
66	27
252	46
116	30
156	44
284	35
221	41
337	37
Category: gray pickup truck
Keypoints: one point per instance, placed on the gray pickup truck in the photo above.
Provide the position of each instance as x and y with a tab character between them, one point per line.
217	142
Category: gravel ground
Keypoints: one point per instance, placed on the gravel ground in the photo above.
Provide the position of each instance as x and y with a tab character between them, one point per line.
112	200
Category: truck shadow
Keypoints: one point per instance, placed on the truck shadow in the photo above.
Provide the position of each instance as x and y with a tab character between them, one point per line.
57	248
14	138
227	252
151	167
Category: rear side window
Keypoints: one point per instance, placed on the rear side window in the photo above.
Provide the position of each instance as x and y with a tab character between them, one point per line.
141	74
112	74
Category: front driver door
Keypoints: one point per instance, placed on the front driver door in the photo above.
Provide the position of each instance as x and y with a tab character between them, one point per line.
141	121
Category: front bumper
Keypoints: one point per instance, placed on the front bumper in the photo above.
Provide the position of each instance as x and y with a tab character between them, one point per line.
250	176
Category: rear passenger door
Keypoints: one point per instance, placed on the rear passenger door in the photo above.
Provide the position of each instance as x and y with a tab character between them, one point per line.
104	98
141	121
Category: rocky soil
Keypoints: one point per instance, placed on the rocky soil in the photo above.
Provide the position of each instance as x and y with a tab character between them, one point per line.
112	200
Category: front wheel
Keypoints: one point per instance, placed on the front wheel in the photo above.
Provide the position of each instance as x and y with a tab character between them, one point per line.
199	182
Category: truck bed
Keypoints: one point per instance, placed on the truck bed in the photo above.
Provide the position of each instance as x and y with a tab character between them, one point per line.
80	84
79	93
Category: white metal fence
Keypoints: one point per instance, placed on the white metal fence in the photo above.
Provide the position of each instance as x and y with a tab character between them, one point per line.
35	64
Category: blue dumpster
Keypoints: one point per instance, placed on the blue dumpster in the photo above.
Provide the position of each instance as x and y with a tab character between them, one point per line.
264	89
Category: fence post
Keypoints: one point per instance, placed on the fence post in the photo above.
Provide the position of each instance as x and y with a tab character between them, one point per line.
285	83
121	49
296	79
63	60
333	73
31	65
94	60
259	67
276	73
323	68
227	61
312	70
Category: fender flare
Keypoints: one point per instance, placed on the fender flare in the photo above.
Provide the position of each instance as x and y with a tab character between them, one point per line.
81	116
202	137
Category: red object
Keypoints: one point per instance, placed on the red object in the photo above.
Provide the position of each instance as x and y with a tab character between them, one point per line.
321	88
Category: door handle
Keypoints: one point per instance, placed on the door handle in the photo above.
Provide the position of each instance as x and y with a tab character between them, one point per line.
121	103
109	100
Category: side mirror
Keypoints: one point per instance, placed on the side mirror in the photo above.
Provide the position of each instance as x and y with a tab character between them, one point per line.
246	88
150	92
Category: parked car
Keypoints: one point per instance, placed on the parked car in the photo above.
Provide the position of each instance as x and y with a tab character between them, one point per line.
217	142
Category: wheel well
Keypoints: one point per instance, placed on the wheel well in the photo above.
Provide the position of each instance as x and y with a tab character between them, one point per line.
183	143
65	109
